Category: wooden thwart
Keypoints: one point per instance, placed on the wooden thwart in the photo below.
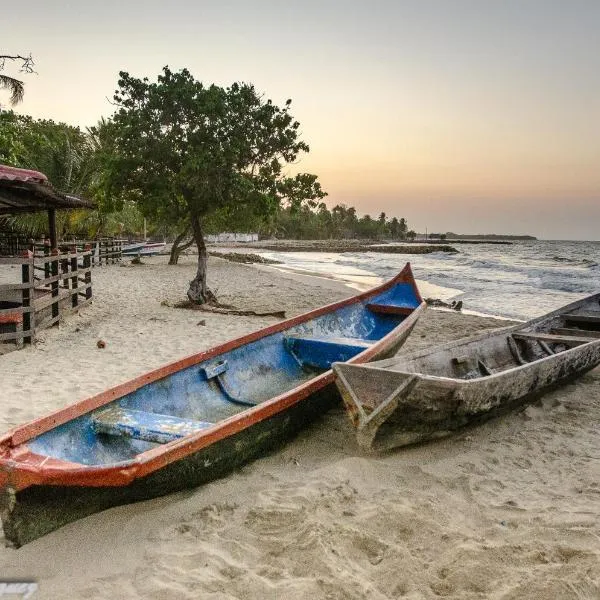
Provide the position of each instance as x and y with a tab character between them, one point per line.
390	309
567	340
588	317
575	332
321	352
146	426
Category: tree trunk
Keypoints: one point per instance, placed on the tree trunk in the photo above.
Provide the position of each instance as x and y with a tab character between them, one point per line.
198	292
178	247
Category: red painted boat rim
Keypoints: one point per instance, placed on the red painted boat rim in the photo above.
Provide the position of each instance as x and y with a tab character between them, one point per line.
18	474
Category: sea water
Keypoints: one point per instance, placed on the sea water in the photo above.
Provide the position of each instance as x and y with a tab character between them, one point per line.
522	280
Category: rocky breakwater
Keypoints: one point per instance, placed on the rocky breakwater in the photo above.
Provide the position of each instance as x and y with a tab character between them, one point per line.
347	246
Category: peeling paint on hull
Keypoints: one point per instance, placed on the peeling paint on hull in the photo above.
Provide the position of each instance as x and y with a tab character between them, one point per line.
196	419
38	510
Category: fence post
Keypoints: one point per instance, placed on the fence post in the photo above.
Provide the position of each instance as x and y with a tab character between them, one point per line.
64	269
74	277
26	297
54	285
87	278
46	253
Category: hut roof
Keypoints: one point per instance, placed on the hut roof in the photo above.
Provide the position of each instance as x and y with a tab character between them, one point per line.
23	191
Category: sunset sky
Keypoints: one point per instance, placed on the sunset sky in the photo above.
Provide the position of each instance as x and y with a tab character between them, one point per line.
478	116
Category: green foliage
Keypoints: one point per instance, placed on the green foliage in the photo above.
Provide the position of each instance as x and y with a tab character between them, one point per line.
183	148
73	160
58	150
318	222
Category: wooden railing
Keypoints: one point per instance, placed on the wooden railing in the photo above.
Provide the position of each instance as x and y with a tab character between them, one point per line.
50	285
104	251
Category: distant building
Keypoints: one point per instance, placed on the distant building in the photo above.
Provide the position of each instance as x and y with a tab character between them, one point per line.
232	237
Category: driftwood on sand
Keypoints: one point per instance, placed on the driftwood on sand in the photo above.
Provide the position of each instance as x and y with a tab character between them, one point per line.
437	303
227	309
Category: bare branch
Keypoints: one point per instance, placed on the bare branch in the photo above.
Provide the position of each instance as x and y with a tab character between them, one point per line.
27	63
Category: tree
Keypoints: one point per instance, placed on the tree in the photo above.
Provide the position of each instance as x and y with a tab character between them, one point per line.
403	229
189	150
65	154
15	86
74	161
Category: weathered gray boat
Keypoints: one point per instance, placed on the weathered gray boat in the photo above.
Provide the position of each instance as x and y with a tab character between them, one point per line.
429	394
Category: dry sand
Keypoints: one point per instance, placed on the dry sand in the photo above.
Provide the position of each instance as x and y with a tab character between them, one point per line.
505	510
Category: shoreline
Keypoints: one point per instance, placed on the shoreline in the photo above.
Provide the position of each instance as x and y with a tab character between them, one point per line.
360	281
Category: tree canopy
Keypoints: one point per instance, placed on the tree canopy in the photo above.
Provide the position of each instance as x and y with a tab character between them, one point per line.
185	151
72	159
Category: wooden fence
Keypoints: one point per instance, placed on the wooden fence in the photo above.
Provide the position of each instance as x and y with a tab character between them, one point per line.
104	251
50	286
13	243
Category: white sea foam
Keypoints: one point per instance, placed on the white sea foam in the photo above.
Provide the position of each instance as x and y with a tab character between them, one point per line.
522	280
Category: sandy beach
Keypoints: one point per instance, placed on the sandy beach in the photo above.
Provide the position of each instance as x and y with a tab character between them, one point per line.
506	510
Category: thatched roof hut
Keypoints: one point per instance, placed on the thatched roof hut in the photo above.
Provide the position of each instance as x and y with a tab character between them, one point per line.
25	191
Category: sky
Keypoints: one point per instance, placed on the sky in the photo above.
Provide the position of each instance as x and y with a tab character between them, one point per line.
471	116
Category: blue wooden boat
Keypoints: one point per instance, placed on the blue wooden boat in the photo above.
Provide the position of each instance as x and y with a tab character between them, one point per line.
195	419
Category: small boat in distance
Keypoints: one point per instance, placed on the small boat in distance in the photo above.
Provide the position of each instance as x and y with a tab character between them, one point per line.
429	394
133	248
195	419
143	248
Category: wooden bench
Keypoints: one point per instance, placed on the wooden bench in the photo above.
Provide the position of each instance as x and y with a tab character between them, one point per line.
142	425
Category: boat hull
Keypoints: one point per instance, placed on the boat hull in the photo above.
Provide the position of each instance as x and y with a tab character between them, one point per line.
430	394
76	462
37	510
422	408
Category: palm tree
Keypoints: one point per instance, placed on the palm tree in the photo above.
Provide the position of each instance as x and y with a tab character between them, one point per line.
15	86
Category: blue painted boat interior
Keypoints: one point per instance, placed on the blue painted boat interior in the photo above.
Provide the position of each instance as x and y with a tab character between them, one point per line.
197	397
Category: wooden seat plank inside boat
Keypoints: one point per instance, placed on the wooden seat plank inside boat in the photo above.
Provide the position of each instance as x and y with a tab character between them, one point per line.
394	303
575	332
390	309
592	318
321	352
567	340
142	425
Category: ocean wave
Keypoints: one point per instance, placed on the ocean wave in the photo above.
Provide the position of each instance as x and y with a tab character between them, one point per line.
522	280
580	262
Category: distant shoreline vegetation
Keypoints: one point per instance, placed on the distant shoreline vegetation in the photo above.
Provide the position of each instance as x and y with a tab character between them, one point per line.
479	236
